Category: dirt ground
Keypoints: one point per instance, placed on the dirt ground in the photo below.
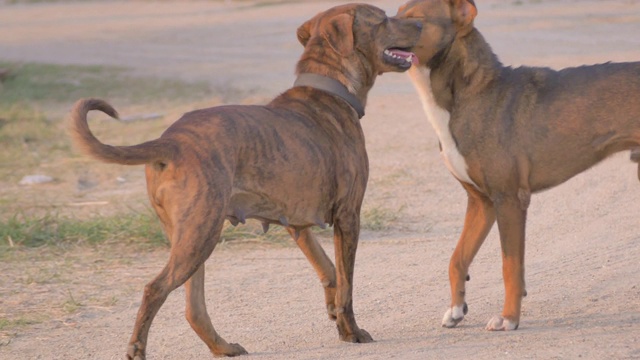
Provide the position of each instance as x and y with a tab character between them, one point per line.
583	242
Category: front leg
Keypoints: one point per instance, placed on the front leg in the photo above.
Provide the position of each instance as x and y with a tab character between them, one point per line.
345	237
511	215
477	224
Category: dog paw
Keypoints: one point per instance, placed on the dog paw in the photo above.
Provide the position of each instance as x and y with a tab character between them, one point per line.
135	352
230	350
358	336
454	315
498	323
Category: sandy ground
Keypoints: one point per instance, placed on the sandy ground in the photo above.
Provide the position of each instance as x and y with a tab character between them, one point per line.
583	245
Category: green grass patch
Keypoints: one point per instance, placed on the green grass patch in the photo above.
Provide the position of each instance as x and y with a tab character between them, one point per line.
8	324
28	139
46	85
71	305
378	219
25	231
134	228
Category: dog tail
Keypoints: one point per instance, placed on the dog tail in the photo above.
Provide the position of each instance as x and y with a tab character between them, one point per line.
155	151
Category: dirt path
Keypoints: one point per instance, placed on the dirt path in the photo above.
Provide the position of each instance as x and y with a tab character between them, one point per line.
583	244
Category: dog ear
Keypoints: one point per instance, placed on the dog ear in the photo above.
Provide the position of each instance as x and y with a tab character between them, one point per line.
339	33
464	11
304	32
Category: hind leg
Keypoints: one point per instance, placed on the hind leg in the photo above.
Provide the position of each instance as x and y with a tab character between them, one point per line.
635	157
321	264
192	243
196	314
346	230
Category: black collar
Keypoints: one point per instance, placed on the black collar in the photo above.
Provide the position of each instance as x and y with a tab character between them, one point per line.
332	86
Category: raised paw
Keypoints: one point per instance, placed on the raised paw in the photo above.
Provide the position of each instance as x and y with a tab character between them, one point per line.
229	350
454	315
498	323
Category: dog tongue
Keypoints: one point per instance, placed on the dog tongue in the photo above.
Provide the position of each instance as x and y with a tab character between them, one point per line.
414	59
406	54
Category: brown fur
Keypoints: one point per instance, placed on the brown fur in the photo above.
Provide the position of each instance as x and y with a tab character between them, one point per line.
519	131
299	161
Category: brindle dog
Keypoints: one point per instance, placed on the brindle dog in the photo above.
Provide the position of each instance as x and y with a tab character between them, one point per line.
507	133
299	161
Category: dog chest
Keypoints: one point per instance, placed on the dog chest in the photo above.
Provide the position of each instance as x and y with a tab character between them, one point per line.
439	119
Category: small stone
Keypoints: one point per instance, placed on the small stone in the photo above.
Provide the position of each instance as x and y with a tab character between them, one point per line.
35	179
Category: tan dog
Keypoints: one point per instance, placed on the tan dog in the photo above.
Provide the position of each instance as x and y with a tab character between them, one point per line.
507	133
299	161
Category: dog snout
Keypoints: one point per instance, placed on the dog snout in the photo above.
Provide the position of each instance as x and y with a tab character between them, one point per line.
413	27
410	26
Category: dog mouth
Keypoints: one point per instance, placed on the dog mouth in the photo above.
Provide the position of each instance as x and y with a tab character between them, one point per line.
401	58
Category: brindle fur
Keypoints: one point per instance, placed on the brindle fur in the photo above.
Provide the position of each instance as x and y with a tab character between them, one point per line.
298	161
519	130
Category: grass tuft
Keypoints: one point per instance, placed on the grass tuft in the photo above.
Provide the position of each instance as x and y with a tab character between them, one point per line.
53	229
378	219
50	85
133	228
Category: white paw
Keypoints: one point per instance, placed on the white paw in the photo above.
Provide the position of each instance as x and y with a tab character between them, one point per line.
498	323
453	316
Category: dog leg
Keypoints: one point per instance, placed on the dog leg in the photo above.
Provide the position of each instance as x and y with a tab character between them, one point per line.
189	251
196	314
155	293
321	264
345	236
478	221
635	157
511	216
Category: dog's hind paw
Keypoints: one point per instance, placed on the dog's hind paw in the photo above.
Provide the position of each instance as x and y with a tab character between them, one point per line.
359	336
135	352
231	350
454	315
498	323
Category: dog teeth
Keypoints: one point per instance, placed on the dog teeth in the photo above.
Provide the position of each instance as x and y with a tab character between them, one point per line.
389	53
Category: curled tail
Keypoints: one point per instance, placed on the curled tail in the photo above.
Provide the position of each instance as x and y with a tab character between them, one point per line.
154	151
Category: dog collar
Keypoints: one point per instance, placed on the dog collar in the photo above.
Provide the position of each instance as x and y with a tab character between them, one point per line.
332	86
